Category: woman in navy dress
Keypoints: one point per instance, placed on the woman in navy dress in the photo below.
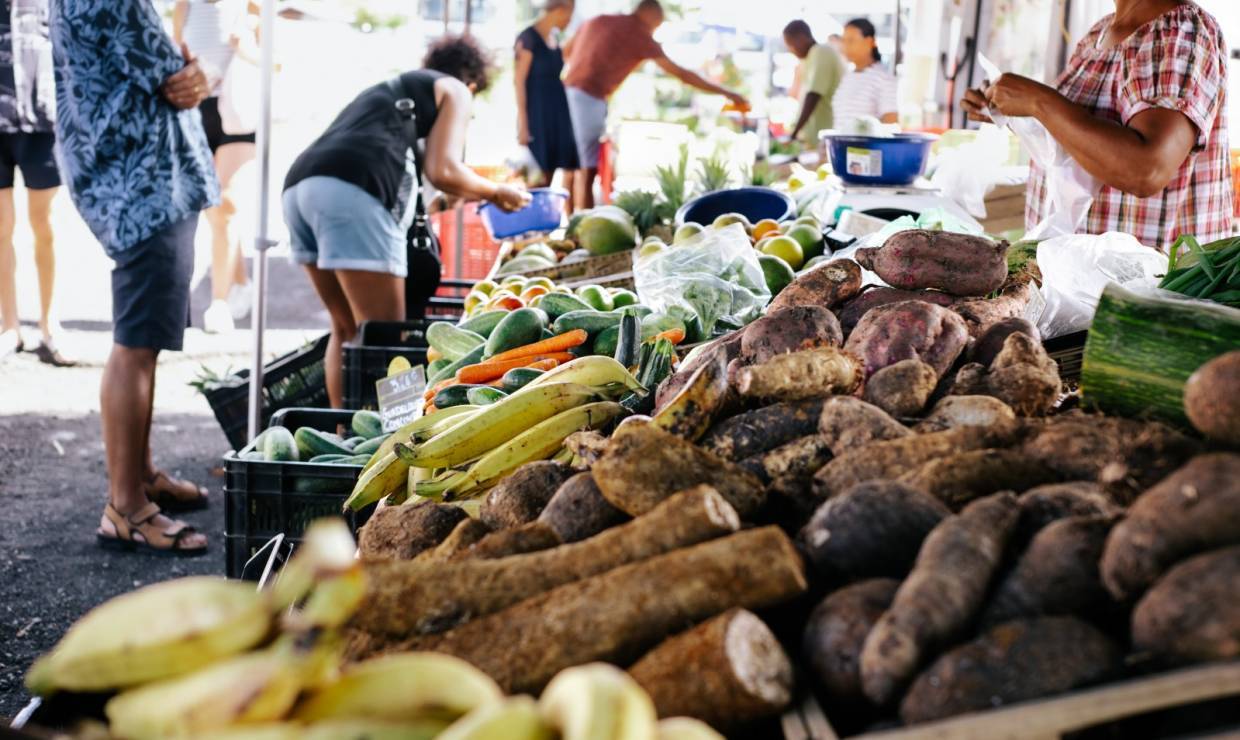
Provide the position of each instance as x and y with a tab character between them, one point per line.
543	123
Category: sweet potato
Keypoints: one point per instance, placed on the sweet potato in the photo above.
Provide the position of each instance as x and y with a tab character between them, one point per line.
797	376
402	532
902	389
958	479
645	465
990	343
1196	508
939	600
528	537
798	458
911	330
1057	575
766	428
1192	614
1022	375
835	632
726	671
849	423
959	264
1012	302
1013	662
1045	504
965	411
521	496
828	286
871	530
789	330
1210	400
876	296
578	510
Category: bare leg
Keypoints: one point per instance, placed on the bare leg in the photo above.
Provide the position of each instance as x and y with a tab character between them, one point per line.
227	268
8	268
373	296
344	326
566	181
39	207
583	181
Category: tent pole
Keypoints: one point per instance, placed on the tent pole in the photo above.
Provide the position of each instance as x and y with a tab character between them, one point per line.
262	241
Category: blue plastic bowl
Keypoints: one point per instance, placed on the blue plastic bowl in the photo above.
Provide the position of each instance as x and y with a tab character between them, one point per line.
543	214
873	160
754	204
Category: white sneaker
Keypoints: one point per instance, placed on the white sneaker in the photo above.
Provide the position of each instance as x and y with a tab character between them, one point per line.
217	319
240	301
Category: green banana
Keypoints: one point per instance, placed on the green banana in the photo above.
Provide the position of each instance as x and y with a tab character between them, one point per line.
514	719
598	701
692	411
419	430
596	371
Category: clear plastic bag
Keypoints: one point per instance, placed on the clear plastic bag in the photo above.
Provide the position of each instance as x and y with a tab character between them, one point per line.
716	275
1075	269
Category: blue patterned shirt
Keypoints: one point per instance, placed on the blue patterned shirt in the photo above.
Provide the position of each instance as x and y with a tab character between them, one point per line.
134	164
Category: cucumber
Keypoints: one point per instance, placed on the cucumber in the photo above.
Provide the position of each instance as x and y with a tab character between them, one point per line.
367	424
592	321
452	341
484	323
484	395
369	446
621	297
280	445
596	296
435	366
312	442
328	458
558	304
353	442
253	456
358	460
449	370
548	334
454	395
607	341
628	341
636	309
517	329
519	377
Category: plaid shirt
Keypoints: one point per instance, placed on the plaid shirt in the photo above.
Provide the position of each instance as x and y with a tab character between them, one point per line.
1177	62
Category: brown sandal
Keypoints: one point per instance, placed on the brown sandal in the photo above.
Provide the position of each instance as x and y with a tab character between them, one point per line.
174	494
139	532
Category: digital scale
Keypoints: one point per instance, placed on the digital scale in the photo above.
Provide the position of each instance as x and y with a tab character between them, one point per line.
852	212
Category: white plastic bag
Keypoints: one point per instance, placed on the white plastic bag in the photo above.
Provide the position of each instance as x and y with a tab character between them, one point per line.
1070	190
1075	269
716	274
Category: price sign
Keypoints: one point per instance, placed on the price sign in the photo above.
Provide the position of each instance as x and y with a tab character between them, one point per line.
400	398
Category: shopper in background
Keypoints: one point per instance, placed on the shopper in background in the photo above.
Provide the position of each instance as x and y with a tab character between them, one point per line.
349	198
1141	106
543	124
221	34
868	90
822	70
27	143
136	162
605	50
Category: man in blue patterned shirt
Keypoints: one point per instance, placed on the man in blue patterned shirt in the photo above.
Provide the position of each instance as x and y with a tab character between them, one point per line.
137	165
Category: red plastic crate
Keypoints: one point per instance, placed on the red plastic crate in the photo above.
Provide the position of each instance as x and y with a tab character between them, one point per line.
471	256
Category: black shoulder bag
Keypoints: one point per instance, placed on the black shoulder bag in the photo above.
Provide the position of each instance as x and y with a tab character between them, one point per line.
422	246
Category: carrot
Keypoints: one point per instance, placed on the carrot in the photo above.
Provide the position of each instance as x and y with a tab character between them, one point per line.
675	336
558	343
485	372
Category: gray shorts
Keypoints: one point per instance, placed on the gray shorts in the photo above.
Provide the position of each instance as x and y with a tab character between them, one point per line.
589	115
150	289
335	225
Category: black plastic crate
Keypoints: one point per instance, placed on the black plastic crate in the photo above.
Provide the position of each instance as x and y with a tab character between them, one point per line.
294	380
263	499
377	343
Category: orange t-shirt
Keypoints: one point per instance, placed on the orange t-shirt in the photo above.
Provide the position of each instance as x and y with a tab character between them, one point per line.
605	50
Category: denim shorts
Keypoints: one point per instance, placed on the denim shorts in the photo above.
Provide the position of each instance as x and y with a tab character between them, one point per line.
589	116
150	289
336	225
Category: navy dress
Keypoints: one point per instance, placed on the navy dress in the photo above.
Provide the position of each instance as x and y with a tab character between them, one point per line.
546	106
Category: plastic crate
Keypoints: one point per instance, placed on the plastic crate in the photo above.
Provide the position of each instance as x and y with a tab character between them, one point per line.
294	380
465	246
377	343
263	499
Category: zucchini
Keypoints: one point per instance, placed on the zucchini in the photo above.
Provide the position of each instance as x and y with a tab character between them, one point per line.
311	443
517	329
353	442
280	445
519	377
434	367
1141	350
592	321
330	458
454	395
448	371
607	341
358	460
484	395
452	341
369	446
558	304
628	341
367	424
484	323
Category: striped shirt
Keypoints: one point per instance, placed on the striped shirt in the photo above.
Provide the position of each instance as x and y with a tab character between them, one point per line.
868	92
1178	62
209	27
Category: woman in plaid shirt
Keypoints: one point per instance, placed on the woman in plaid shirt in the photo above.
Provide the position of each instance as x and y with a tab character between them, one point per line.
1142	106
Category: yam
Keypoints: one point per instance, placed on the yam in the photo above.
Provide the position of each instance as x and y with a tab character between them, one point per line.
849	423
1045	504
415	598
966	411
402	532
991	341
790	330
912	330
790	502
960	264
1022	375
727	671
1057	575
529	537
1210	399
836	630
831	285
1196	508
729	345
763	429
466	533
902	389
895	457
940	599
587	447
877	296
645	465
520	497
871	530
958	479
619	614
797	376
1192	614
799	458
1013	662
578	510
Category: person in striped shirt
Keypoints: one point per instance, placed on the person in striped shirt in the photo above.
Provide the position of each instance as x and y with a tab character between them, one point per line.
868	90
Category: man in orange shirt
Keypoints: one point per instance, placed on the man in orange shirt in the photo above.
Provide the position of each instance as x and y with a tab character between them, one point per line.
604	52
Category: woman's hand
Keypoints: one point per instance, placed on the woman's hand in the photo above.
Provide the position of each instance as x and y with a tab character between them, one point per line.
510	199
1016	96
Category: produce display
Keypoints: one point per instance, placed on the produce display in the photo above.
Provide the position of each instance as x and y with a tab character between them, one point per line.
307	444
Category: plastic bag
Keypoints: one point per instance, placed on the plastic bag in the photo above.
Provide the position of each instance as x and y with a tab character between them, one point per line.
1070	190
716	274
1075	269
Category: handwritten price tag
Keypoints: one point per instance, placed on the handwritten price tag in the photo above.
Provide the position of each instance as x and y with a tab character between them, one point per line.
400	398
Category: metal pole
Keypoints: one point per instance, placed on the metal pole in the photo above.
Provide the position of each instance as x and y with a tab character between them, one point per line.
262	242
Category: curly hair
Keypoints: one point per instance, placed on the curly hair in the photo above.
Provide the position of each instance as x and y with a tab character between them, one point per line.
460	57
